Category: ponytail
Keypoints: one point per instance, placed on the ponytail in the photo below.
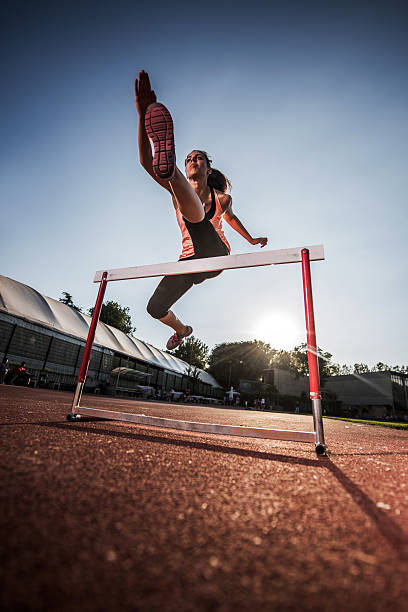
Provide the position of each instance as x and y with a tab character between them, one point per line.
216	179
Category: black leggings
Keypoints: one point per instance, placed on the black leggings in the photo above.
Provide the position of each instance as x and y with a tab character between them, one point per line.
207	243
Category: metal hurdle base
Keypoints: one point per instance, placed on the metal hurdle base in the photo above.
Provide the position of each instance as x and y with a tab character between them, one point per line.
225	430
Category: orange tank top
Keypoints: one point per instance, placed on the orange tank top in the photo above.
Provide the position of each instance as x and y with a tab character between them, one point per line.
216	220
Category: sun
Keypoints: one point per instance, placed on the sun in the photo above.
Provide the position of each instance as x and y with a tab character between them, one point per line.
279	330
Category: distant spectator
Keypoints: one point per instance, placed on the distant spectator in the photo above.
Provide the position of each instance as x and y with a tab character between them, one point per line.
20	376
297	408
4	368
43	380
262	403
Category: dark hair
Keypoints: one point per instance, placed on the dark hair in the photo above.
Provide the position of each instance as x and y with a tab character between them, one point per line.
216	179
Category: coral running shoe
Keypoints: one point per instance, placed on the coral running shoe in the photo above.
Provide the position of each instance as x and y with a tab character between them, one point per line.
159	128
176	340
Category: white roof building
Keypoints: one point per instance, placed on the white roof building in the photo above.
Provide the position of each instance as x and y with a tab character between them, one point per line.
24	302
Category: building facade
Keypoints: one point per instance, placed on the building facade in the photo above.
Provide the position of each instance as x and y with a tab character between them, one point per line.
381	395
373	395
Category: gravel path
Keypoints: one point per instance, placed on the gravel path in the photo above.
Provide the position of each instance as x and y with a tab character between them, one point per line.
110	516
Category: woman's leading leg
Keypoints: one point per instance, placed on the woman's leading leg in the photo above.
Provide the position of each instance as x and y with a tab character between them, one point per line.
159	128
189	203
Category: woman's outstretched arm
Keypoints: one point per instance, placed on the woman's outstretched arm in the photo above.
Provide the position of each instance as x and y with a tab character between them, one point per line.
232	219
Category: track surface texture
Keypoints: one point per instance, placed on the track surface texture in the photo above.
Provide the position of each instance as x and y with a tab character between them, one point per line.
102	515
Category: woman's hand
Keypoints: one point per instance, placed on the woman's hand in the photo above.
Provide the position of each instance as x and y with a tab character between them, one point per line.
262	241
144	94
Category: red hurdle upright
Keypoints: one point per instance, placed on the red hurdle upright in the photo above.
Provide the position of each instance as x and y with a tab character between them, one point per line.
86	358
314	379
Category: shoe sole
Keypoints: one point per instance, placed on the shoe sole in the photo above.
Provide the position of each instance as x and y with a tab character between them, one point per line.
159	128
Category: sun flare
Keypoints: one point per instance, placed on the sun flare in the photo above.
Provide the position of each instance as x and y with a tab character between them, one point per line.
279	330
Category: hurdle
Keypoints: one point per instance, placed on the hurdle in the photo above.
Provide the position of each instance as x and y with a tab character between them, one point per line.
303	255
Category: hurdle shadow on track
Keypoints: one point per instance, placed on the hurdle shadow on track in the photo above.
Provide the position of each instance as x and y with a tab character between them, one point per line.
389	529
231	450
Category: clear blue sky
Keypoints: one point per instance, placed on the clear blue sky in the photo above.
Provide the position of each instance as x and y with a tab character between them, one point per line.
303	105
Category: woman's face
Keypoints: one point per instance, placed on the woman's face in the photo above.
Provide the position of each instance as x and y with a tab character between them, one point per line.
196	165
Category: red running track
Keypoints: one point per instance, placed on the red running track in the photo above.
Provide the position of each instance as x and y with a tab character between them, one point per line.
103	515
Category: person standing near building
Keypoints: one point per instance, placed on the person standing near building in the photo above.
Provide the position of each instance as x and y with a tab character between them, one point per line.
4	367
20	376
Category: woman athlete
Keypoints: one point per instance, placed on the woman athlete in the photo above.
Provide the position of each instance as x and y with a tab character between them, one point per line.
200	201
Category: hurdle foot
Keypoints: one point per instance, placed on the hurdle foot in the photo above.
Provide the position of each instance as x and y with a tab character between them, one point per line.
73	417
320	449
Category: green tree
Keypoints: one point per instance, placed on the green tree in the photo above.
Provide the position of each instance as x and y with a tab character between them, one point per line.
335	369
68	300
383	367
194	374
345	369
282	359
193	351
296	361
117	316
380	367
360	368
231	361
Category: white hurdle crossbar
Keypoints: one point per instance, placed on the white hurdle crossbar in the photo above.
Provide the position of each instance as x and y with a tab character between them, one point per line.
228	262
210	264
